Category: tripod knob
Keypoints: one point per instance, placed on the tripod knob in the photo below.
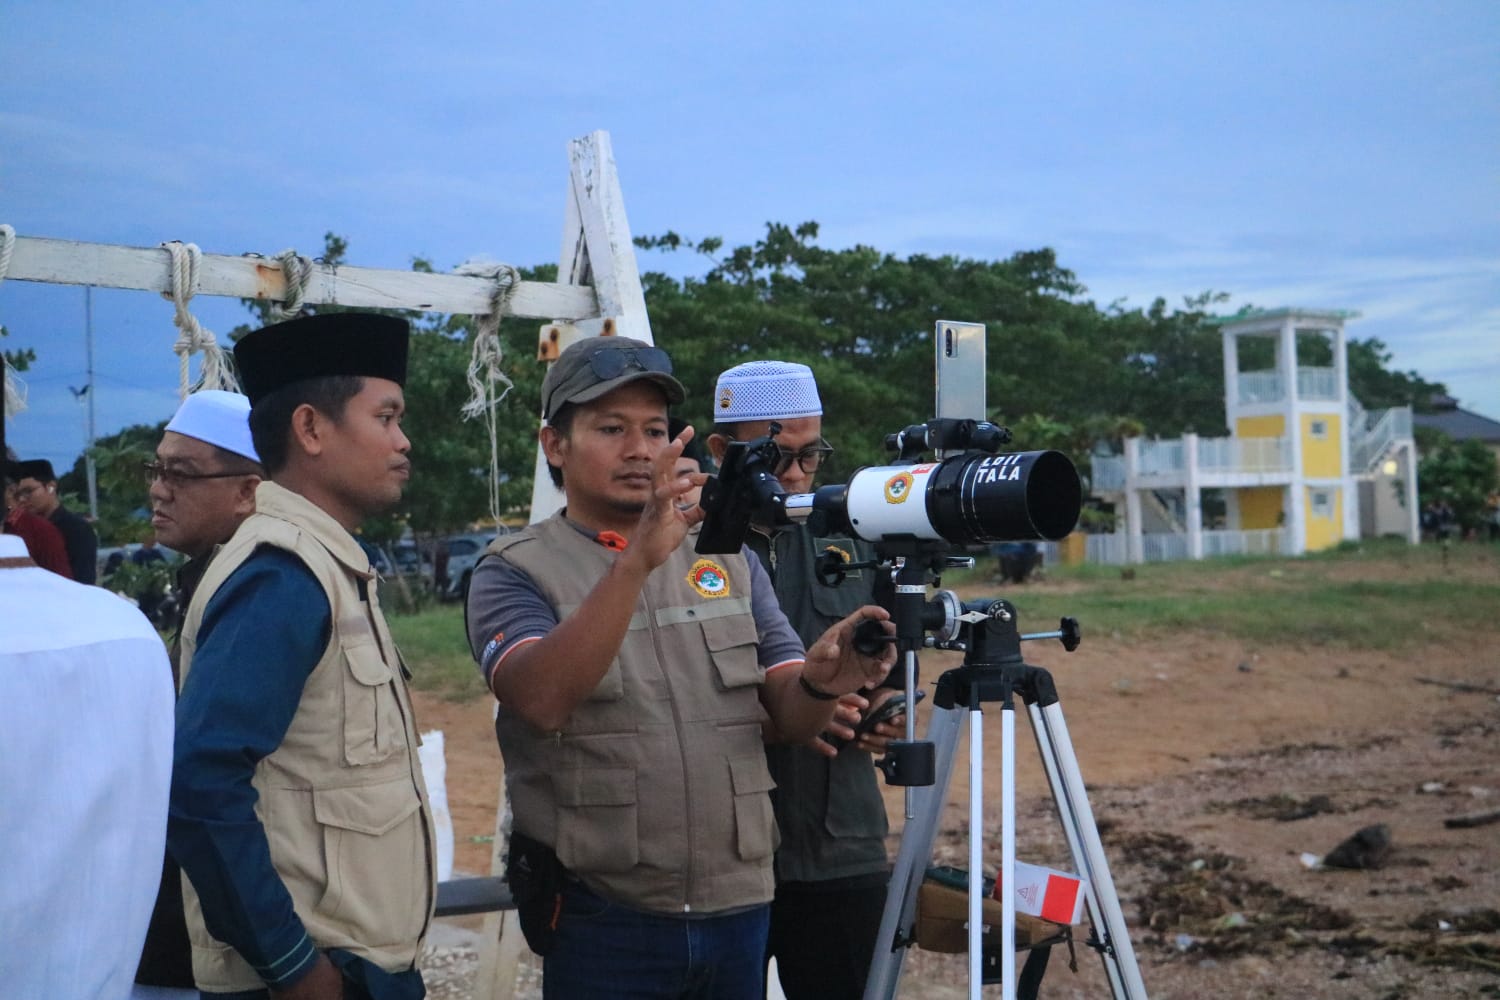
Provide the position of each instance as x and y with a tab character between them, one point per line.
1072	635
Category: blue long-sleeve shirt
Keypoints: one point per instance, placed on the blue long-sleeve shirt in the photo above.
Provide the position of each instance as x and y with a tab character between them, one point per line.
262	634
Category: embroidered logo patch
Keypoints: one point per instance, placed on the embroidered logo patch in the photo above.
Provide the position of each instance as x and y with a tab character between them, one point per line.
726	398
843	554
491	646
709	578
898	488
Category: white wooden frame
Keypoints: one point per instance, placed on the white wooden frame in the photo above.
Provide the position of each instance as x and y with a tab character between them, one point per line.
598	292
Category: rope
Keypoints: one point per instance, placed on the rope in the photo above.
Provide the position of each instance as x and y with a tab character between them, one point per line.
192	337
14	391
484	363
297	272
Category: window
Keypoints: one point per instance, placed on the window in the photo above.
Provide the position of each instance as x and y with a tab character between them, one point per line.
1319	430
1322	504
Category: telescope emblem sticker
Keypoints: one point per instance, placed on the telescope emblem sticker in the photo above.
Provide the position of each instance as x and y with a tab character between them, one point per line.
898	488
709	578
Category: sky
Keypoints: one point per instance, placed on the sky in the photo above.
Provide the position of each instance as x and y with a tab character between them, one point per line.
1330	155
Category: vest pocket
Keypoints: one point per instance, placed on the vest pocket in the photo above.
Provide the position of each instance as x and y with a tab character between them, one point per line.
597	824
755	826
376	858
732	644
373	727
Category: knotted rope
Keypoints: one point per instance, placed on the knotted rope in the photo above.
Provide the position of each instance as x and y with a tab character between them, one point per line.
296	270
484	372
14	391
192	337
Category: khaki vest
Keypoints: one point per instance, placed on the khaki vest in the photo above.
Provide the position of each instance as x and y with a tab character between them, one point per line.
655	792
342	798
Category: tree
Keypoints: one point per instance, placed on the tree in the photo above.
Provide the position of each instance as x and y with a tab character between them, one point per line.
863	321
1462	474
1378	387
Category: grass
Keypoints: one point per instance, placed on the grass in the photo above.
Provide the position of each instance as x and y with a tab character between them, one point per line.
1379	595
437	651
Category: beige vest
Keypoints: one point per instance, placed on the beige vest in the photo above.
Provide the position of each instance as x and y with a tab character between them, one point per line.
342	798
655	793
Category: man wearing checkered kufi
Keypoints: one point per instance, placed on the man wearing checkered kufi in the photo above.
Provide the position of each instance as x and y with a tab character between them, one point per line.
831	866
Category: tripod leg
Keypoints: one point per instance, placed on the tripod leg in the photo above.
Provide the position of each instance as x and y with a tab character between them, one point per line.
1056	750
917	837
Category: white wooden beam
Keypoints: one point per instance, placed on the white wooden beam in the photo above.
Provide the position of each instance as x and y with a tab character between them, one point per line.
597	246
103	265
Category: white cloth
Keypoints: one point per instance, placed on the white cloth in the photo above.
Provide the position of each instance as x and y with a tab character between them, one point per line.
86	707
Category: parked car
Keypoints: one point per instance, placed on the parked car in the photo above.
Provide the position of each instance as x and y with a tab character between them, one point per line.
464	552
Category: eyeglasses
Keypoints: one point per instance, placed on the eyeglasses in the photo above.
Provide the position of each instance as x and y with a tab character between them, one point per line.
611	362
175	478
808	459
23	493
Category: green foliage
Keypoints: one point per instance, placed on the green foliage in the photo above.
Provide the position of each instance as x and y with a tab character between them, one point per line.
145	583
124	505
1062	372
1463	475
1378	387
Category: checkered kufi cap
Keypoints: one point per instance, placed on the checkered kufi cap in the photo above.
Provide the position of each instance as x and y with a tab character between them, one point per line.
766	390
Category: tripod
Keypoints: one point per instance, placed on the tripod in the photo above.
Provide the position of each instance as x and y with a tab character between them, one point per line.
994	670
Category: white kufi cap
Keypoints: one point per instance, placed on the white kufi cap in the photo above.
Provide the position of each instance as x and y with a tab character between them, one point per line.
217	417
766	390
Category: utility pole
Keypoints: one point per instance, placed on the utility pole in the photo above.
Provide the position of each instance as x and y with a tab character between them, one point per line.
88	453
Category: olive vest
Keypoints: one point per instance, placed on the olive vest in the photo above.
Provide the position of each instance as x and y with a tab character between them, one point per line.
829	810
654	793
342	798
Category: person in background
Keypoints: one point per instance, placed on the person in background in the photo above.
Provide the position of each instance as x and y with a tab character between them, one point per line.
201	487
86	715
633	675
43	541
37	489
831	866
299	814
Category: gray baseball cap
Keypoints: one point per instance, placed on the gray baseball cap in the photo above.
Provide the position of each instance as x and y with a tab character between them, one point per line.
597	366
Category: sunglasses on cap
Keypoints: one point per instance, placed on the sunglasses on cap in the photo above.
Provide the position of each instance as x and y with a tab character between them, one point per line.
611	362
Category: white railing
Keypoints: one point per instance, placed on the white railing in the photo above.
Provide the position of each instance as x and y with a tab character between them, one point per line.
1244	454
1164	547
1107	550
1108	473
1260	387
1263	542
1317	383
1391	426
1159	458
1114	549
1267	387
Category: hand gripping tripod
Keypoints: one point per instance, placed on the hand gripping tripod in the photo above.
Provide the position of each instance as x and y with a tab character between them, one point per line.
993	670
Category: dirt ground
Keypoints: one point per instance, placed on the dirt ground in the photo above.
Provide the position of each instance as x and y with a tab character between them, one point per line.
1212	766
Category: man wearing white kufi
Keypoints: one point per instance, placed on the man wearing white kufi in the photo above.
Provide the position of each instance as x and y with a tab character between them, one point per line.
831	865
202	485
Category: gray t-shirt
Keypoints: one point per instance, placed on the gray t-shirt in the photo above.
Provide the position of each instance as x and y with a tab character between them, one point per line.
507	609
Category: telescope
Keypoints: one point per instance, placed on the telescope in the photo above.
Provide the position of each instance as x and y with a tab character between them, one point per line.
973	496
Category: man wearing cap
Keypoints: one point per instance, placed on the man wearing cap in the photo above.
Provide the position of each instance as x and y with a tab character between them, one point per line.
831	865
298	814
633	676
37	489
201	486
